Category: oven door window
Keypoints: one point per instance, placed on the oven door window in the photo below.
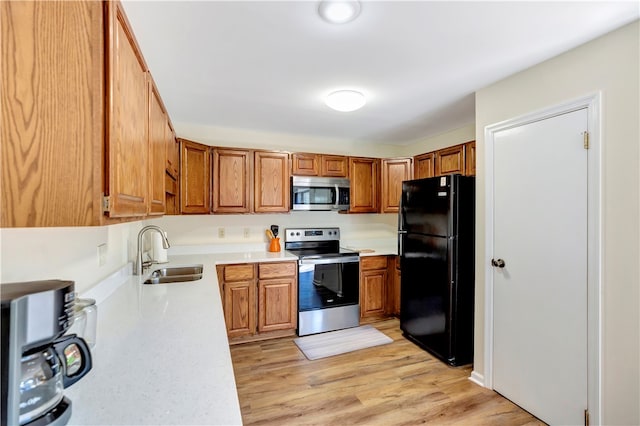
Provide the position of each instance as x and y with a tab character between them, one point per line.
313	196
327	285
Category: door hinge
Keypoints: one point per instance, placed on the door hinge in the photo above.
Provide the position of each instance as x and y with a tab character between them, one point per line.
586	417
106	207
586	140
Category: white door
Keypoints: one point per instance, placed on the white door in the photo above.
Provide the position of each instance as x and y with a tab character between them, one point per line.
540	295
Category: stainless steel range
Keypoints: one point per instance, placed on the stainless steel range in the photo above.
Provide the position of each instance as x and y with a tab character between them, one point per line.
328	280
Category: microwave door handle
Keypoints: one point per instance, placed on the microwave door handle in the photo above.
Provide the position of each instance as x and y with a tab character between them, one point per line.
335	206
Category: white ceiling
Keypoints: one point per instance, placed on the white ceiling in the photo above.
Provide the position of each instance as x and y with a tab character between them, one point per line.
266	65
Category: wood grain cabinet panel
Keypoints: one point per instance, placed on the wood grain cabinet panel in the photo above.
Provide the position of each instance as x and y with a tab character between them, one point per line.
231	181
470	158
365	177
277	270
271	182
304	164
277	304
424	165
51	154
394	171
240	308
158	150
334	166
373	286
195	178
450	160
127	141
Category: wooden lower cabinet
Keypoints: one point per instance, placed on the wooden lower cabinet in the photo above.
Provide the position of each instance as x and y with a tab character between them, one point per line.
259	299
394	291
373	286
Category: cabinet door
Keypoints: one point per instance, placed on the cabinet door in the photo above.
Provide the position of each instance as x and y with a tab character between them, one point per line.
127	140
195	178
397	280
424	165
240	308
394	171
277	304
450	160
334	166
158	151
231	181
271	182
305	164
470	158
52	120
364	184
373	292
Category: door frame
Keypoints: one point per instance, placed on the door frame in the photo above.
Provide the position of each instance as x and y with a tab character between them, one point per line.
592	103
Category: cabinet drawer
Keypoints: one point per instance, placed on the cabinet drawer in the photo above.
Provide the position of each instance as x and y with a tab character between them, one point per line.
275	270
238	272
373	262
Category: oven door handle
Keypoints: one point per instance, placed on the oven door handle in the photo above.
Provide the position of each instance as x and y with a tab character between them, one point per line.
328	260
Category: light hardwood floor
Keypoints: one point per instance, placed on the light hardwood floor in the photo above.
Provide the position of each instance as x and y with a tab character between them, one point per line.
394	384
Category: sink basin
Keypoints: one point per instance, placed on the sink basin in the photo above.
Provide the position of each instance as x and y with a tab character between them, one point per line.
177	274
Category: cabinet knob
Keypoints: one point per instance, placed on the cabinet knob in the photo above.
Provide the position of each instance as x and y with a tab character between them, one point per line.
497	263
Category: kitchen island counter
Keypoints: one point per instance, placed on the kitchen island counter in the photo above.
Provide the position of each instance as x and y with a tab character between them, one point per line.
162	353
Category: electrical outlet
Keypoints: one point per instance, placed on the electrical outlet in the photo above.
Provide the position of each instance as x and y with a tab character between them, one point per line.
247	232
102	254
220	232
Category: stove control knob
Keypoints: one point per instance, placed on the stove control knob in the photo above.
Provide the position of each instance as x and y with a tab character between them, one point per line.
297	234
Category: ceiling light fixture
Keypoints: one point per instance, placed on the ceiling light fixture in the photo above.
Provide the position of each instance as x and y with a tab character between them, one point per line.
339	11
345	100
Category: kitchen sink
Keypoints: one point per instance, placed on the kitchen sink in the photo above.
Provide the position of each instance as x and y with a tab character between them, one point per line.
177	274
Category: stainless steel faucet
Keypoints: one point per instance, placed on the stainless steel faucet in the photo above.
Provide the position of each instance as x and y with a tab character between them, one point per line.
165	244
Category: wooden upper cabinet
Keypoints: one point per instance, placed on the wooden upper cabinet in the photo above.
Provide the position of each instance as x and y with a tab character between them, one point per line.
158	151
303	164
127	141
195	177
51	126
365	177
394	171
231	181
424	165
271	182
173	150
470	158
334	166
450	160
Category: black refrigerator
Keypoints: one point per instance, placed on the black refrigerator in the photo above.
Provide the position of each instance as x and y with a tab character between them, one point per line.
436	232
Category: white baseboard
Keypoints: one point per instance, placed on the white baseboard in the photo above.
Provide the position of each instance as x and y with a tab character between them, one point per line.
477	378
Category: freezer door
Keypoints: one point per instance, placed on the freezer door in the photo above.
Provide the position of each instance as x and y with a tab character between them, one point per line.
426	292
425	206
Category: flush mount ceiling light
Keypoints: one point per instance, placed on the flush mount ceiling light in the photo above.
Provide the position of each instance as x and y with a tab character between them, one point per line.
345	100
339	11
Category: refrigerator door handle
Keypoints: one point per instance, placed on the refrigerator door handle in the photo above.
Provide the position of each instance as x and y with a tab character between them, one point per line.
400	243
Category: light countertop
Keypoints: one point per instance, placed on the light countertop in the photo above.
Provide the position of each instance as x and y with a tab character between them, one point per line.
162	353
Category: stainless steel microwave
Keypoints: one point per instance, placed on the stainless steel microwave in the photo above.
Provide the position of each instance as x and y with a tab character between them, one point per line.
319	193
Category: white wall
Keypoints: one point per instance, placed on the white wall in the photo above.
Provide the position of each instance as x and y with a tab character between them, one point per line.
65	253
453	137
203	229
609	64
240	138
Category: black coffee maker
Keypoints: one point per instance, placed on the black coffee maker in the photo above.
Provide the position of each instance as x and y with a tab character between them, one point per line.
38	361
